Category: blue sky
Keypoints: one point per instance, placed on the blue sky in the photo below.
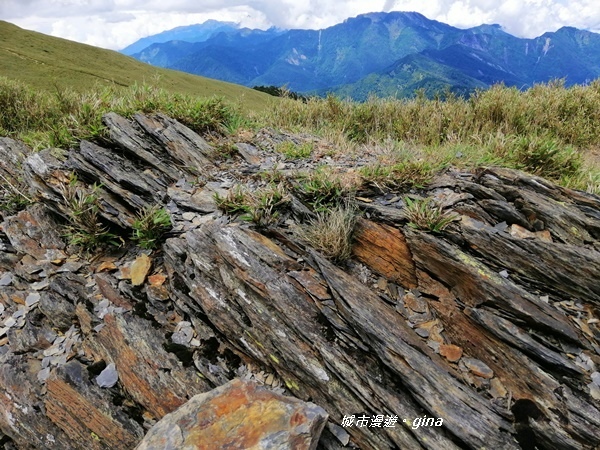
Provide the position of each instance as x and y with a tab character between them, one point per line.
117	23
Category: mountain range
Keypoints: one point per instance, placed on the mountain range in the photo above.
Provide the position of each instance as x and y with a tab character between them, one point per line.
383	54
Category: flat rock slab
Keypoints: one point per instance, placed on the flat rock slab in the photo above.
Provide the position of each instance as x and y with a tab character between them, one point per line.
239	415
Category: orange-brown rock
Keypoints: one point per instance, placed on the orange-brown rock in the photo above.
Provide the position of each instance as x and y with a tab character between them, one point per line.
157	279
239	415
140	268
141	362
31	233
82	418
384	250
451	352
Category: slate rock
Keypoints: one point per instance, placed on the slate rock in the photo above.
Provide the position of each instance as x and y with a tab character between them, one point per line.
451	352
108	377
239	414
139	269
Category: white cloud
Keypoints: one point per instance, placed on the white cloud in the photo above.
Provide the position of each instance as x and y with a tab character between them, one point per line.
117	23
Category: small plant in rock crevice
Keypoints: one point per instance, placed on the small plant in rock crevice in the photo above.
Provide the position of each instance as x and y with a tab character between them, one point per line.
235	202
323	189
407	174
295	151
152	222
261	206
331	232
426	215
12	196
81	206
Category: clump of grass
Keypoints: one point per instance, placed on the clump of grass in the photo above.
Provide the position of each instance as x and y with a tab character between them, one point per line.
545	156
235	202
224	150
271	176
402	175
262	206
331	232
151	224
292	150
81	207
323	189
426	215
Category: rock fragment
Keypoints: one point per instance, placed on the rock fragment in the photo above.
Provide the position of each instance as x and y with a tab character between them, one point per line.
139	269
451	352
108	377
478	368
239	414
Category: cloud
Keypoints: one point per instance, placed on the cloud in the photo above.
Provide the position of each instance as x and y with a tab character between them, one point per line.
117	23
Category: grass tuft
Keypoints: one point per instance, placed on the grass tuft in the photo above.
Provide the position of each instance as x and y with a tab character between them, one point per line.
295	151
81	206
322	188
426	215
150	225
331	232
262	206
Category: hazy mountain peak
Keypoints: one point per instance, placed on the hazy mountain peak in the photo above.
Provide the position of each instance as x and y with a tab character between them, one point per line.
190	33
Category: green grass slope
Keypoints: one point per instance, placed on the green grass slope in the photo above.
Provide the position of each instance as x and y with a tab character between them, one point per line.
48	63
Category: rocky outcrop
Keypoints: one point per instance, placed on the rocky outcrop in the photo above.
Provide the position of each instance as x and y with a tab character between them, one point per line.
483	335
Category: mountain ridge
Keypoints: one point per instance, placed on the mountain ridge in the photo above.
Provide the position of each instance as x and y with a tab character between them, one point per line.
350	57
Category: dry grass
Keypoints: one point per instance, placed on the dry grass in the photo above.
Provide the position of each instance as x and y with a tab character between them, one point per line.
546	130
331	232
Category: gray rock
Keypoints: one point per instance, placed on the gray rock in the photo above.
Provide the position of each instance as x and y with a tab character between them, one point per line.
6	279
108	377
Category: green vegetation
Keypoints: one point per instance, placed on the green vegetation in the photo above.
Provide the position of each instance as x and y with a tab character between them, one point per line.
49	64
426	215
400	175
550	130
150	226
280	92
323	188
80	206
63	117
261	206
12	196
295	151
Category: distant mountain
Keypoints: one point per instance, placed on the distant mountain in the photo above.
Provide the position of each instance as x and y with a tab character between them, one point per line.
191	33
385	54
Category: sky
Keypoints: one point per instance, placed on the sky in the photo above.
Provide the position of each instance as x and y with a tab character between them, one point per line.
114	24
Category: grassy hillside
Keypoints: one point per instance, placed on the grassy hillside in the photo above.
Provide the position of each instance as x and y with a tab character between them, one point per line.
48	63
